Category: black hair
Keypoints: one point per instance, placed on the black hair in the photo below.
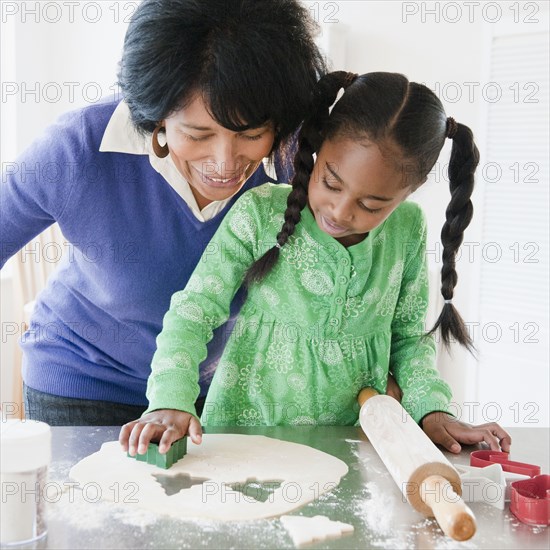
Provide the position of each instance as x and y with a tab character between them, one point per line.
252	61
408	123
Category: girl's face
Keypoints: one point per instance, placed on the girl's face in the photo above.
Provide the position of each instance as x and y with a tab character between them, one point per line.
353	189
215	161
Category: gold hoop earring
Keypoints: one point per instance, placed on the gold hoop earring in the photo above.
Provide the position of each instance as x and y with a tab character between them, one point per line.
161	151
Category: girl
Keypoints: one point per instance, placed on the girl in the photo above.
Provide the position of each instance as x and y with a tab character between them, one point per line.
336	272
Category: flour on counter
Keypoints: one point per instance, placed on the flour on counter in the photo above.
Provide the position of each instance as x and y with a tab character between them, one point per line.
77	510
104	520
377	509
429	535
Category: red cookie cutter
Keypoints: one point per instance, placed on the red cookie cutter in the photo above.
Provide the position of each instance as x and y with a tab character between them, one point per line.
486	458
530	500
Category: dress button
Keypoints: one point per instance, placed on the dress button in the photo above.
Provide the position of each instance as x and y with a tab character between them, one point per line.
343	280
345	261
339	301
334	322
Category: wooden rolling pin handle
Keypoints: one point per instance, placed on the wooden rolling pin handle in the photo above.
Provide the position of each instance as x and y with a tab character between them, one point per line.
454	517
364	394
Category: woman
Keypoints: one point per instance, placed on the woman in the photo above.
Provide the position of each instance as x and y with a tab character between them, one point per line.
139	187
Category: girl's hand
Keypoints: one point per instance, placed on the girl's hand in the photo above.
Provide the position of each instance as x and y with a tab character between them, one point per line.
393	389
163	425
449	432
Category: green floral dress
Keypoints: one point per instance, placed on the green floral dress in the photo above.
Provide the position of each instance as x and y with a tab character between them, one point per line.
326	322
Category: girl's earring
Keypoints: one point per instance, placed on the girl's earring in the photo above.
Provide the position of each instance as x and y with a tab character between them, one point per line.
161	151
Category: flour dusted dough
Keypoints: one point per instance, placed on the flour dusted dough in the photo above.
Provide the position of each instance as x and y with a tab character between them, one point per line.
225	460
304	530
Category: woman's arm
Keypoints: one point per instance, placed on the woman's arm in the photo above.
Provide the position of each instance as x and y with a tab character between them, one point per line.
36	187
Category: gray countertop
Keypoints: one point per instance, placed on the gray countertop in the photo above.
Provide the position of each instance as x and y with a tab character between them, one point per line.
367	498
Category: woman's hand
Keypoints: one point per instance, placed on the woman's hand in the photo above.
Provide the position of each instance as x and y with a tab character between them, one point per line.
163	425
393	389
449	432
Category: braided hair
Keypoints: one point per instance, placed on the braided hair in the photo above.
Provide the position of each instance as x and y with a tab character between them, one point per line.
399	116
309	142
459	213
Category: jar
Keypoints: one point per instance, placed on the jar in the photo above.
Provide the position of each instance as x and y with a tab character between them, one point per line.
25	447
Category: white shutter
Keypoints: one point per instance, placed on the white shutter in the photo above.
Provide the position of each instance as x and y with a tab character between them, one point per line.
514	288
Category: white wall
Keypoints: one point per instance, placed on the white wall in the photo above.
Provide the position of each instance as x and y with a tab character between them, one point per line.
66	57
10	336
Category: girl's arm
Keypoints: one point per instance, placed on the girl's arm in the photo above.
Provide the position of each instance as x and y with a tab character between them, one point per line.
425	395
449	432
413	356
194	313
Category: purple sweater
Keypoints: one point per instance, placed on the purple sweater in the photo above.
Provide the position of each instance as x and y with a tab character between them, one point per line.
134	242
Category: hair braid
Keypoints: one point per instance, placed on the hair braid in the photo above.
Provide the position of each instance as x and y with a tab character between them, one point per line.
297	199
462	165
309	142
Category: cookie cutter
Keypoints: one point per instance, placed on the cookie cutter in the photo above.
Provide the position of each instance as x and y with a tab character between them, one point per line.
489	484
177	450
487	457
530	500
486	484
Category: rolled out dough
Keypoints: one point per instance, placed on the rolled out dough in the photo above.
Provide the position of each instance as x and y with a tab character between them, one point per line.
300	474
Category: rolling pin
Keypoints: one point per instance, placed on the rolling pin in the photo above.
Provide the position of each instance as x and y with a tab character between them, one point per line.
426	478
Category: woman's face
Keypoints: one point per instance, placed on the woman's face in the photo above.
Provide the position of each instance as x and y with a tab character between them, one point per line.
214	160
